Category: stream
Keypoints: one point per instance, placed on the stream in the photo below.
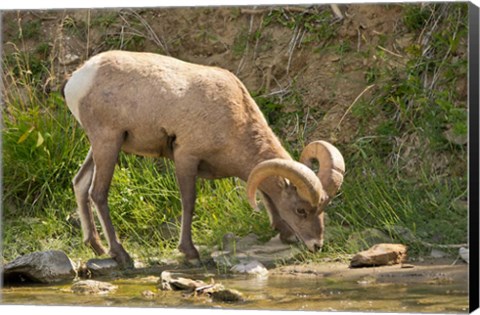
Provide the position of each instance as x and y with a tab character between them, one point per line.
275	292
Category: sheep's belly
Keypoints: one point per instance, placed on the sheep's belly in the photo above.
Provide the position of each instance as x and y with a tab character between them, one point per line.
147	152
151	145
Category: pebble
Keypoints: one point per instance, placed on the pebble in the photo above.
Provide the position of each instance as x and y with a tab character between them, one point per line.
93	287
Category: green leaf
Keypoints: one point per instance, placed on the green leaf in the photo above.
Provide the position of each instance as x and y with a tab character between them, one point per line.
25	135
40	140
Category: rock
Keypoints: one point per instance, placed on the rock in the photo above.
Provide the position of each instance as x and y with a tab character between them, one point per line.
226	295
199	288
380	255
367	238
43	267
101	267
252	268
148	294
93	287
464	254
179	284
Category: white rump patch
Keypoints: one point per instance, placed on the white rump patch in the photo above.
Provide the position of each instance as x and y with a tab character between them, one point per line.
80	84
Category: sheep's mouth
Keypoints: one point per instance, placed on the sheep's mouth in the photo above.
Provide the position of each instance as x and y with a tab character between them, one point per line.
313	245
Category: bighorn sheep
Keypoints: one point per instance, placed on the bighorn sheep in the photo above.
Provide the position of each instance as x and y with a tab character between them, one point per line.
204	119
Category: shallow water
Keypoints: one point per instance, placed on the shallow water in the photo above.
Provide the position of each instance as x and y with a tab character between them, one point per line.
271	293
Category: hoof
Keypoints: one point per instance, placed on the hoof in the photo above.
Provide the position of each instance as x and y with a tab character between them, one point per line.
123	260
193	262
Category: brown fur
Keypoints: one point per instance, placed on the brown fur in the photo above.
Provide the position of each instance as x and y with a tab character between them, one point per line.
202	118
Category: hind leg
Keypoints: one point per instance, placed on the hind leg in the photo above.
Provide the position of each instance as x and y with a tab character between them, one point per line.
105	149
81	185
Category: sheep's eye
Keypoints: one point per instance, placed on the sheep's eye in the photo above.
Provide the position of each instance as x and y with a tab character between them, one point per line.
301	212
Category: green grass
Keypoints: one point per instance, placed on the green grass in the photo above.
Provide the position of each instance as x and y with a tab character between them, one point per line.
401	172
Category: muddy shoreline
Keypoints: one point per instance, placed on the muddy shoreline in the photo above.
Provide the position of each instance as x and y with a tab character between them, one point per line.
429	271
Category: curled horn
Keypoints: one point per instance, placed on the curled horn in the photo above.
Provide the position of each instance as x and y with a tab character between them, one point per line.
331	164
303	178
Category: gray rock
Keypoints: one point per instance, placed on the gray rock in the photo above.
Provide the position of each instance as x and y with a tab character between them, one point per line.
43	267
101	267
93	287
252	268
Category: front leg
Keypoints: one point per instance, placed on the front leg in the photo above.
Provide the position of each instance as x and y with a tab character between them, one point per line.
186	172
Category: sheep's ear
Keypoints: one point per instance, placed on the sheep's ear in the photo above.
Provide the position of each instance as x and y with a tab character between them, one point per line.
286	183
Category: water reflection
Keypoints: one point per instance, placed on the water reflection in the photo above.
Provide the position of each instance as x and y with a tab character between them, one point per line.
268	293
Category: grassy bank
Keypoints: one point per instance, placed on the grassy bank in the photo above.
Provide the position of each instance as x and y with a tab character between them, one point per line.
403	138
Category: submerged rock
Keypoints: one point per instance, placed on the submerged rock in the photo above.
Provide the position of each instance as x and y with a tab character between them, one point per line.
225	295
252	268
380	255
43	267
148	294
179	284
93	287
216	291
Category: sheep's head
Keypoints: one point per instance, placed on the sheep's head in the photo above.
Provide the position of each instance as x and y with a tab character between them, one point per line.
304	194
